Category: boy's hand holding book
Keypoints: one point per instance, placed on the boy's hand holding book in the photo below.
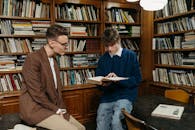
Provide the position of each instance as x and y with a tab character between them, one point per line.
105	81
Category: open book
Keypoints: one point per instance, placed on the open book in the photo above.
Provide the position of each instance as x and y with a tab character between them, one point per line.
168	111
99	79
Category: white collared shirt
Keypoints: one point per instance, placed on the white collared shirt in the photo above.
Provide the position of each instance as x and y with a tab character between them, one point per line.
118	53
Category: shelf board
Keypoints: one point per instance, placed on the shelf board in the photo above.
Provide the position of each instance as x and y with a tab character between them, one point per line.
129	37
176	50
9	94
66	88
84	37
131	6
11	71
175	16
134	24
173	33
187	88
81	86
175	66
14	54
21	36
24	18
82	52
96	3
77	21
78	68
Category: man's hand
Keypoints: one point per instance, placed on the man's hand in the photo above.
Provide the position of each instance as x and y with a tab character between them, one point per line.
111	75
108	83
66	116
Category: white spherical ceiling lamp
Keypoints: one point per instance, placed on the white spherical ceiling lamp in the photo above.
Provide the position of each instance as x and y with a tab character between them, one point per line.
132	0
153	5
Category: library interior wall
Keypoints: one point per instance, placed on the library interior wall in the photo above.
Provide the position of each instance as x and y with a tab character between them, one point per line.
79	100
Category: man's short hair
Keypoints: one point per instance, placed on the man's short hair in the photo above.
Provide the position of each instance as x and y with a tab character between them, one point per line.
56	30
110	36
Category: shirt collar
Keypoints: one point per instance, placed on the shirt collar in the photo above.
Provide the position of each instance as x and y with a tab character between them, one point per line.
118	53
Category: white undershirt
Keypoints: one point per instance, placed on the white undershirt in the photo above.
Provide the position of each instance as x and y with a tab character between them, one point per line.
53	71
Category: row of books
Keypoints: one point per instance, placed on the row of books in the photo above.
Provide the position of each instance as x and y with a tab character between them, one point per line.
37	43
133	31
11	62
181	24
130	44
176	42
13	45
76	12
25	8
119	15
77	60
22	27
175	77
175	7
20	45
76	29
76	45
177	58
73	77
10	82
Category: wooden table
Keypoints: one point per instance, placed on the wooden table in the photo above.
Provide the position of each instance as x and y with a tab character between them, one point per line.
144	105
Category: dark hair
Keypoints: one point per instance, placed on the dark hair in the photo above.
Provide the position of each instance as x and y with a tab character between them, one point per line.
56	30
110	36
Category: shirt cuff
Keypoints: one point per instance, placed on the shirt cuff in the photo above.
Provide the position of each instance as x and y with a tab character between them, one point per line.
61	111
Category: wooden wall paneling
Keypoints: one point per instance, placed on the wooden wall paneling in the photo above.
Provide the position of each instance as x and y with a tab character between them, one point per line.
9	104
74	103
146	40
91	102
146	60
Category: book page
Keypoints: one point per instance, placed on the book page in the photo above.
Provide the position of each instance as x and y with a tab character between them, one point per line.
114	78
97	78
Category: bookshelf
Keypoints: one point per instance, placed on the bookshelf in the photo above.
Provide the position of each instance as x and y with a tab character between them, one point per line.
84	20
22	24
134	33
87	16
125	17
174	46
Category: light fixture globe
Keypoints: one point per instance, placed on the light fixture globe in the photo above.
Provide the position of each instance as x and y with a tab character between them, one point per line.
132	0
153	5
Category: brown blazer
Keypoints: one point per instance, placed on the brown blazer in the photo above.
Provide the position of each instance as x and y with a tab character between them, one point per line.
39	98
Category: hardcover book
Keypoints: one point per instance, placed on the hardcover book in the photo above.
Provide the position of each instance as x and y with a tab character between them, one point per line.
168	111
99	79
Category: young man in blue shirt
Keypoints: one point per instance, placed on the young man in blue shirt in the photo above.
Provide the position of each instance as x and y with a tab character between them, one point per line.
116	61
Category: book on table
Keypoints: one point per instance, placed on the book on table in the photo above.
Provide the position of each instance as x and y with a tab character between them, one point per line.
98	80
168	111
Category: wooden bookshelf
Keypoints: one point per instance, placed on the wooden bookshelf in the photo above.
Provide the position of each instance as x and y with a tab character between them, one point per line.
10	98
177	73
78	97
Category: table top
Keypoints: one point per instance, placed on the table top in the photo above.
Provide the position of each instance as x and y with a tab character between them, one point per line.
144	105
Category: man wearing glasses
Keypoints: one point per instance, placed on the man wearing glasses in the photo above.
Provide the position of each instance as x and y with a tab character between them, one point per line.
41	102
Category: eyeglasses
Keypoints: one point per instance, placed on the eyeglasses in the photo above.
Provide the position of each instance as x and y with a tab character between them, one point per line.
63	44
